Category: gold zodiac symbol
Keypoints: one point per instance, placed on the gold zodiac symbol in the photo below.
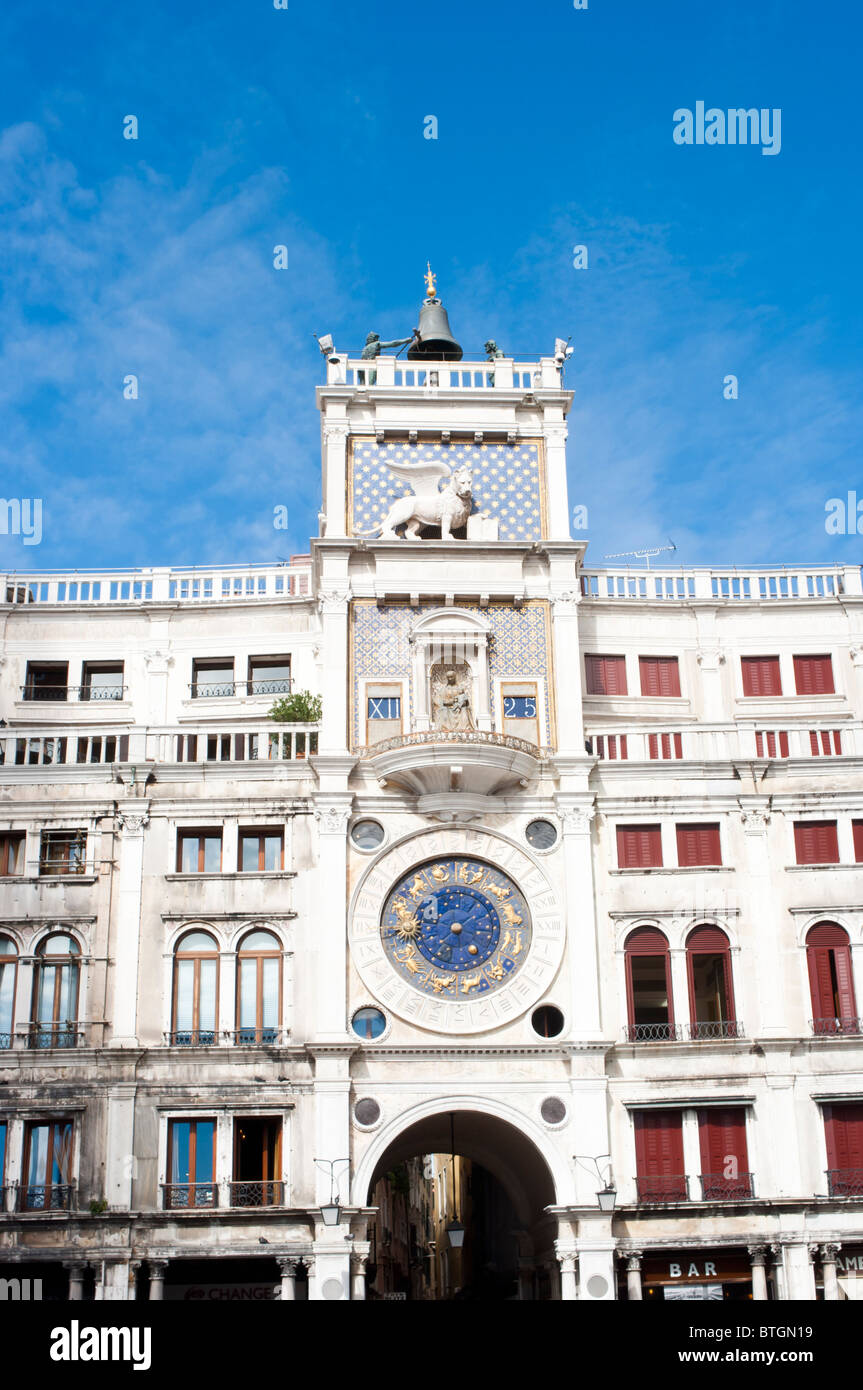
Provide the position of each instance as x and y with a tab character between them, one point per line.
510	916
496	971
409	961
498	889
418	888
513	941
471	982
407	926
439	982
440	873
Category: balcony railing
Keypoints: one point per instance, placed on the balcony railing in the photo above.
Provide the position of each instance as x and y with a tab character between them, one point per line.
833	1027
254	1037
206	585
264	743
504	374
715	1029
56	1035
716	1187
745	740
663	1188
5	1040
257	1194
211	690
46	1197
177	1196
845	1182
752	584
653	1032
472	736
62	693
192	1037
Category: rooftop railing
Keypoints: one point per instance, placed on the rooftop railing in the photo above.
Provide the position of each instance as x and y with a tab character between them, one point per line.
723	584
167	584
504	374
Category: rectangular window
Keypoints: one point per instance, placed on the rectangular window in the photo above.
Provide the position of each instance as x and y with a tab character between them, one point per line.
48	1166
269	675
843	1126
199	851
660	675
191	1164
102	681
11	852
257	1162
724	1158
761	676
767	742
212	679
697	845
519	702
605	675
62	852
261	850
813	675
639	847
47	680
665	745
383	712
816	842
659	1162
857	827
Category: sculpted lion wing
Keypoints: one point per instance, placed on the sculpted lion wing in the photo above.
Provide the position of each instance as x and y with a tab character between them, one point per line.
423	477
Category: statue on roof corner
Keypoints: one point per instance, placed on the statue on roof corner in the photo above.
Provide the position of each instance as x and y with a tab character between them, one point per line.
448	508
374	347
492	351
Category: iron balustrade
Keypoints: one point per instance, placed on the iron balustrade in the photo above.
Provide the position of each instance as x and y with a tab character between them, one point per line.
5	1040
824	1027
45	1035
714	1029
226	689
254	1037
257	1194
663	1188
46	1196
62	693
209	1037
190	1195
653	1032
192	1037
845	1182
716	1187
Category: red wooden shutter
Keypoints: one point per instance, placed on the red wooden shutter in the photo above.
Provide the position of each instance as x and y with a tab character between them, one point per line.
831	983
647	941
660	675
710	941
783	745
813	675
659	1155
844	1131
724	1157
857	827
761	675
639	847
698	844
606	675
816	842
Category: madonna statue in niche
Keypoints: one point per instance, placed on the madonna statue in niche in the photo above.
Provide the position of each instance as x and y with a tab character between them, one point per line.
450	688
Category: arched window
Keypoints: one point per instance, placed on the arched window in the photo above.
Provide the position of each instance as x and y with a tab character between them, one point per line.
648	986
259	988
828	955
8	971
196	990
711	996
55	993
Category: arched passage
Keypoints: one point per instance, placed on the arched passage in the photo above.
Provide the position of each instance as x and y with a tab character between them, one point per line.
498	1187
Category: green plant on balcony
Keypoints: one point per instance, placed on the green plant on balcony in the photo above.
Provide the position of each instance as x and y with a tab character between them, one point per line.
300	707
98	1205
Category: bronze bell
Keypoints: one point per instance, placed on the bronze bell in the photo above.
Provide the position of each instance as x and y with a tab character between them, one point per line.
435	342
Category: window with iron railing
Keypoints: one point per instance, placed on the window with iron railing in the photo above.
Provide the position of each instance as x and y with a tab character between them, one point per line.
191	1164
47	1184
196	991
62	852
269	675
46	681
102	682
212	679
55	993
8	980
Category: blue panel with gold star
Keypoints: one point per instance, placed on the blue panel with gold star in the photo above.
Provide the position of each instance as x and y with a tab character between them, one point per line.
507	482
456	927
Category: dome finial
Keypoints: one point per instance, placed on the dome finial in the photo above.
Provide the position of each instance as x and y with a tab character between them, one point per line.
431	281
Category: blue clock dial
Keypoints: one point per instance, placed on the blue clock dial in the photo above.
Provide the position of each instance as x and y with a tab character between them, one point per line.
456	926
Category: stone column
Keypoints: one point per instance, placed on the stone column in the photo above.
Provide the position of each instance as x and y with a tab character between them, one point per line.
76	1270
157	1279
633	1275
335	478
567	1258
758	1260
332	814
576	812
828	1270
358	1274
778	1272
763	905
288	1271
131	821
799	1274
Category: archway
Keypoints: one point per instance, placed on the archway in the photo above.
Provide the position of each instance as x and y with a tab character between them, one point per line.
497	1186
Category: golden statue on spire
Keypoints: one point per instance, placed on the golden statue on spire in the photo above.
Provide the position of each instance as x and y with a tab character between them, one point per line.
431	281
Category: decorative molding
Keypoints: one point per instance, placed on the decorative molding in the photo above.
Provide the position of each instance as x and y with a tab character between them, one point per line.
131	823
333	600
710	658
333	819
755	820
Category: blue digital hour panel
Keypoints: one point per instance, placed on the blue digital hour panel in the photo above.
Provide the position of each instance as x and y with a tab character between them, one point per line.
385	707
519	707
455	927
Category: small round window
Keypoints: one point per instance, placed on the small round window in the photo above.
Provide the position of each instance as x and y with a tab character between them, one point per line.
541	834
367	834
368	1023
547	1021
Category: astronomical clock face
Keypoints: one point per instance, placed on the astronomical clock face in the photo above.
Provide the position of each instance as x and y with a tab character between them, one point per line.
456	927
457	932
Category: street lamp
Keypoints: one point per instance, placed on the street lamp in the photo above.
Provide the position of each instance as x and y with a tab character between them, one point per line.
331	1210
454	1228
607	1197
455	1231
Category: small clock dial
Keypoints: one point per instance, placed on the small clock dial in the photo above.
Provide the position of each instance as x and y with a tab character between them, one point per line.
455	927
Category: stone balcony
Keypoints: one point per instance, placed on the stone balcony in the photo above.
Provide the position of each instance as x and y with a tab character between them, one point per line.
435	763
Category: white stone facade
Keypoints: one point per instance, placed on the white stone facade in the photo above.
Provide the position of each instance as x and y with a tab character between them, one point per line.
365	620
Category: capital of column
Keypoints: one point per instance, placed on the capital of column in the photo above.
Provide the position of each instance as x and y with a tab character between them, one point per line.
576	819
157	1268
75	1266
333	601
830	1252
755	819
288	1265
131	823
567	1256
757	1254
358	1262
633	1260
333	817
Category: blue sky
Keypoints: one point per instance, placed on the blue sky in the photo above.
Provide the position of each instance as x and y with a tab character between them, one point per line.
304	127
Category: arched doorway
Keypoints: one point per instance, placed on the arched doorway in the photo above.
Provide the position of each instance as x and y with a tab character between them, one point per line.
497	1186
